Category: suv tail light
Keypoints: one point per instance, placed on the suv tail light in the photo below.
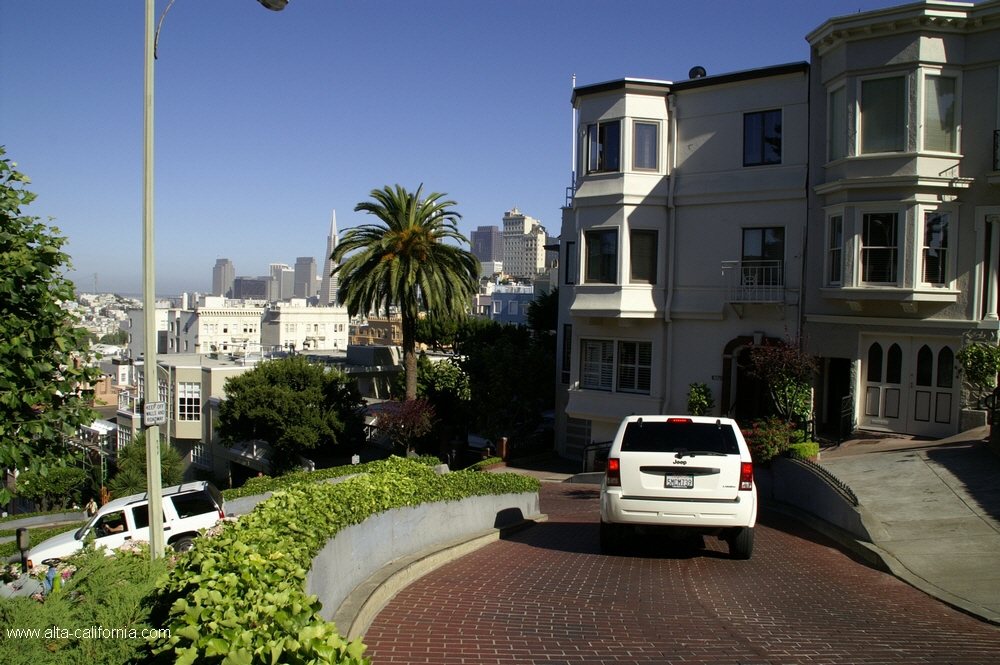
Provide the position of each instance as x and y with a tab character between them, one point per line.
614	473
746	476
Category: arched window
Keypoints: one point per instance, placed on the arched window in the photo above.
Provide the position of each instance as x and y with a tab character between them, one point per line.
894	365
875	363
946	368
925	366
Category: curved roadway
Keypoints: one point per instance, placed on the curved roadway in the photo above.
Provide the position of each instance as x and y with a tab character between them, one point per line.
546	595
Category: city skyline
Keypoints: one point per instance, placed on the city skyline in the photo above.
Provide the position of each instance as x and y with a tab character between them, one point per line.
266	122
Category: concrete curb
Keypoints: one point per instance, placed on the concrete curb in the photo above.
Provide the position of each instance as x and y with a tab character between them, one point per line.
359	609
882	560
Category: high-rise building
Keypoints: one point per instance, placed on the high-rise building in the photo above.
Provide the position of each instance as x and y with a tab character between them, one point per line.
487	244
251	288
328	285
283	282
223	275
305	277
523	245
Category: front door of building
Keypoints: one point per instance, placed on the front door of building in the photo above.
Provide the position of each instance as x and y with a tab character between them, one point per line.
909	385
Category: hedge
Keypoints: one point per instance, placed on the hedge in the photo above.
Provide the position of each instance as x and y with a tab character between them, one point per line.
239	597
262	484
803	450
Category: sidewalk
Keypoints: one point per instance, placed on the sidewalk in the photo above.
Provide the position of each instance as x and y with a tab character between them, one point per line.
936	508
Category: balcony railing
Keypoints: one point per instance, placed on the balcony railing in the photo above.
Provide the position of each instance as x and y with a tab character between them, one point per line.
754	281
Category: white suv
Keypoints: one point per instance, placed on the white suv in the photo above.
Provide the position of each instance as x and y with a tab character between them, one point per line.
689	474
187	509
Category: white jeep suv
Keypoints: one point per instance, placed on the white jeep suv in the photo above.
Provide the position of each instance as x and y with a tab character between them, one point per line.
187	509
687	474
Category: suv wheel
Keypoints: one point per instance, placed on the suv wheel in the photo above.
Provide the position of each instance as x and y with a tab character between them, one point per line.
611	538
182	545
741	543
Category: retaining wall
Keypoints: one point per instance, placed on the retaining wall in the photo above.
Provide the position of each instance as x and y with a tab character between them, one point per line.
358	552
794	484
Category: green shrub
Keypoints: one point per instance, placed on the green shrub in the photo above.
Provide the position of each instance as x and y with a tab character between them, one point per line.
105	592
980	362
804	450
479	466
239	595
768	437
262	484
700	401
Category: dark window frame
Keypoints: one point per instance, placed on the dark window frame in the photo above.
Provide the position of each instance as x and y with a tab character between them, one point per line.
762	138
651	244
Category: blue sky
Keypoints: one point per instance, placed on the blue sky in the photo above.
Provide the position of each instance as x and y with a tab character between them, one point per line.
266	122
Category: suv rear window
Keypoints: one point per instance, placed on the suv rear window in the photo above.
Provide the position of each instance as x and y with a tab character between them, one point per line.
675	437
196	503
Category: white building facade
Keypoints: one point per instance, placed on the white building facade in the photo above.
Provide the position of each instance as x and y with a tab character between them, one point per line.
682	245
904	213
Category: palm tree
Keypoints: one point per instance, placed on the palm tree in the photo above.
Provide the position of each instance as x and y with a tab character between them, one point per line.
406	261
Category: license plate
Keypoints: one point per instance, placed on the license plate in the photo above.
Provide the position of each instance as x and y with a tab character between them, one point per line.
678	482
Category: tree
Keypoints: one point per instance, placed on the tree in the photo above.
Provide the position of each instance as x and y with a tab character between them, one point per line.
57	488
980	362
543	313
436	331
117	338
512	379
292	404
786	368
406	261
406	422
43	390
130	478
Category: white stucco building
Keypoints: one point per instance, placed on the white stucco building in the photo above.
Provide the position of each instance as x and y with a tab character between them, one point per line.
523	245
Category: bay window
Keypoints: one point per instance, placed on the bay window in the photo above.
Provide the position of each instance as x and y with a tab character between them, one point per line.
879	248
883	115
939	114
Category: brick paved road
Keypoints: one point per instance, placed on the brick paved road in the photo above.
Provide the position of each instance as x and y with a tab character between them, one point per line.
546	595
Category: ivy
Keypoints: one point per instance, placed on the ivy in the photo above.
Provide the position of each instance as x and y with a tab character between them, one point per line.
239	596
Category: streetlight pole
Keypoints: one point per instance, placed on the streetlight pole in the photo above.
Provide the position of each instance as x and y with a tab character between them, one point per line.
149	369
155	489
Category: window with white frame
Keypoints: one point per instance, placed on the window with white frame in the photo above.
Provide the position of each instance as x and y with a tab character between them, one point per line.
934	257
940	129
628	371
837	125
880	248
512	307
188	401
644	151
602	256
883	115
835	250
634	367
604	146
597	364
201	455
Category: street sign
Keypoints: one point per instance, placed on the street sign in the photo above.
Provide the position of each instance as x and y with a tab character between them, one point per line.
154	413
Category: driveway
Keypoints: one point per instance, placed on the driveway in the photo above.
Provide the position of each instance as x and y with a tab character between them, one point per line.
546	595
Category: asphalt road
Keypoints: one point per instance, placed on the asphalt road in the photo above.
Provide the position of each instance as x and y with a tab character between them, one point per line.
546	595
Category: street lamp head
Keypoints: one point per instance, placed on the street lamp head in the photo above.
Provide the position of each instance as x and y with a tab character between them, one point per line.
274	5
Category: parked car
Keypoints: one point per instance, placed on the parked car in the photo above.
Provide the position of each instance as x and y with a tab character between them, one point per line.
684	475
187	509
